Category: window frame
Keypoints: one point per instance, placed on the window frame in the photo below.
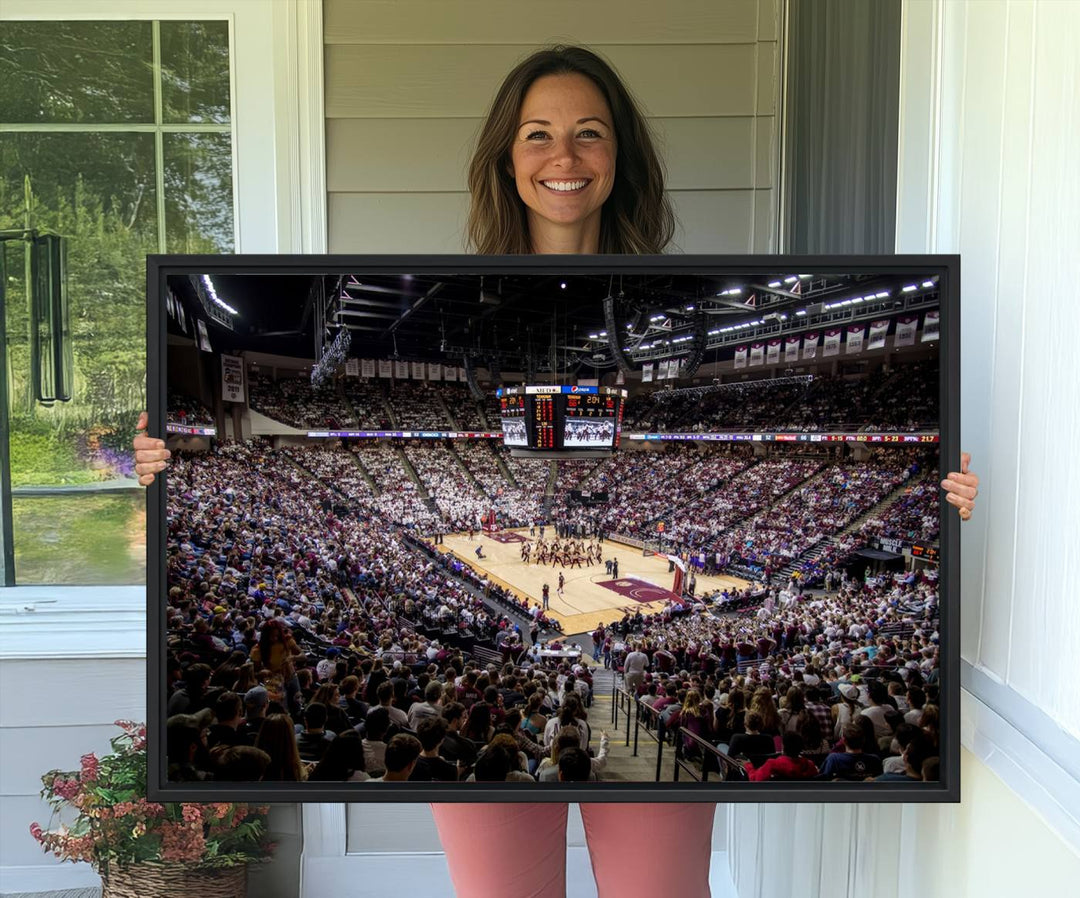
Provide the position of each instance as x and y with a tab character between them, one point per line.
279	198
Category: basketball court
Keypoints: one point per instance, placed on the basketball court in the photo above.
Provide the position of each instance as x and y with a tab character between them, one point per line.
590	595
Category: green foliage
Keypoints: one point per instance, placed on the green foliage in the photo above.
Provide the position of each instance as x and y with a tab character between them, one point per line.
117	825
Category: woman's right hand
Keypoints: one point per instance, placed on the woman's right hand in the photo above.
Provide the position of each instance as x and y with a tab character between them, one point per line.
150	453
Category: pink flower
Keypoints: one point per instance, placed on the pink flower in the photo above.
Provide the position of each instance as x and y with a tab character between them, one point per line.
89	768
192	813
36	832
65	788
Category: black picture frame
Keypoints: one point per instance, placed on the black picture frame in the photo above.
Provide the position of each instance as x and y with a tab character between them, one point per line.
947	789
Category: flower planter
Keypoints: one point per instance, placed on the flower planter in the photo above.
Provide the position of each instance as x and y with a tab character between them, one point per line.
150	880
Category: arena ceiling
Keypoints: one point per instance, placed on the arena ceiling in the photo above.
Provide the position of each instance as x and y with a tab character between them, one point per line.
442	318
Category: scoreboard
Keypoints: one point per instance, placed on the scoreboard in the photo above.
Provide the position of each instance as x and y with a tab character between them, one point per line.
554	418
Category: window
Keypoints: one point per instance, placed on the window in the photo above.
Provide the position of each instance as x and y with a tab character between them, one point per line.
117	135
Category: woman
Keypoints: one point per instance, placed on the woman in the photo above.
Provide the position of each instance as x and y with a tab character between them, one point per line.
571	714
565	164
548	771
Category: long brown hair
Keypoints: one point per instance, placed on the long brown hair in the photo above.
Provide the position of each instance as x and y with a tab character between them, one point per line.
637	216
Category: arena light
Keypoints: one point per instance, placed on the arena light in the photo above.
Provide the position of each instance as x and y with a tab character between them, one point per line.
909	288
881	295
213	295
928	284
790	280
800	312
774	284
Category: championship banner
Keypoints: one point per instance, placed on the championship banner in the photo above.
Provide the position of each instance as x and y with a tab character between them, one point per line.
791	349
232	378
449	372
809	346
662	370
831	344
620	377
401	369
646	373
352	367
417	370
772	354
461	376
434	371
740	357
757	354
367	367
905	330
386	368
855	334
878	330
931	326
204	337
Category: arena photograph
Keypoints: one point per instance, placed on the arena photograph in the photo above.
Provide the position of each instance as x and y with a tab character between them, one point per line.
550	529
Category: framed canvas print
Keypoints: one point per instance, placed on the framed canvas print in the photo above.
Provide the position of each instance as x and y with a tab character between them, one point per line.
589	528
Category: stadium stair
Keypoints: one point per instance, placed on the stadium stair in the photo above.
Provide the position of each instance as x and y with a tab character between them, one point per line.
391	415
454	423
893	497
411	471
504	468
465	470
339	385
368	479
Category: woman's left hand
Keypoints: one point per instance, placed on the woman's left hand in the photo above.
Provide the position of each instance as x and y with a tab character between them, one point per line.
962	487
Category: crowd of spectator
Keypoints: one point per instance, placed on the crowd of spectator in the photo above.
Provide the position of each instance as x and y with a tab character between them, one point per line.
840	686
295	402
188	411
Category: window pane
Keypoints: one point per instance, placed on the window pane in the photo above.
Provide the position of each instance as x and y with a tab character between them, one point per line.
76	72
80	539
98	191
195	72
198	193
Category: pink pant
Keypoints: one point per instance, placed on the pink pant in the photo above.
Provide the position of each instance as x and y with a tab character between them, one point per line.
519	850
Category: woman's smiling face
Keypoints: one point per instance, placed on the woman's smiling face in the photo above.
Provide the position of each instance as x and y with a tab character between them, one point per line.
563	157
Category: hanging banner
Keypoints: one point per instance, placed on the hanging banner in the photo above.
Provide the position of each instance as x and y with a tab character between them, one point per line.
204	337
646	373
878	330
831	344
434	371
386	368
905	330
855	334
352	367
461	375
931	326
232	378
791	349
757	354
809	346
740	356
417	370
401	369
620	378
367	367
772	354
449	372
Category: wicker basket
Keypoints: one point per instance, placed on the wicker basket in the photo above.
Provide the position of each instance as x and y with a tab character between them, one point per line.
149	880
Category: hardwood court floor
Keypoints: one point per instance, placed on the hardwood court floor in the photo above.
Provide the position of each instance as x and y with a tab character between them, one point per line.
584	603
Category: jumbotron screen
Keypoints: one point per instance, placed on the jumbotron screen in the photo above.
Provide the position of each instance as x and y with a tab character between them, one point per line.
542	418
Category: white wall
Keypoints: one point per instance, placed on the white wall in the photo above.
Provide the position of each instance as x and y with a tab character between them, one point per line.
990	119
408	83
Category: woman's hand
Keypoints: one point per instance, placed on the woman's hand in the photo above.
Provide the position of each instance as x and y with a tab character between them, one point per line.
150	453
962	487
